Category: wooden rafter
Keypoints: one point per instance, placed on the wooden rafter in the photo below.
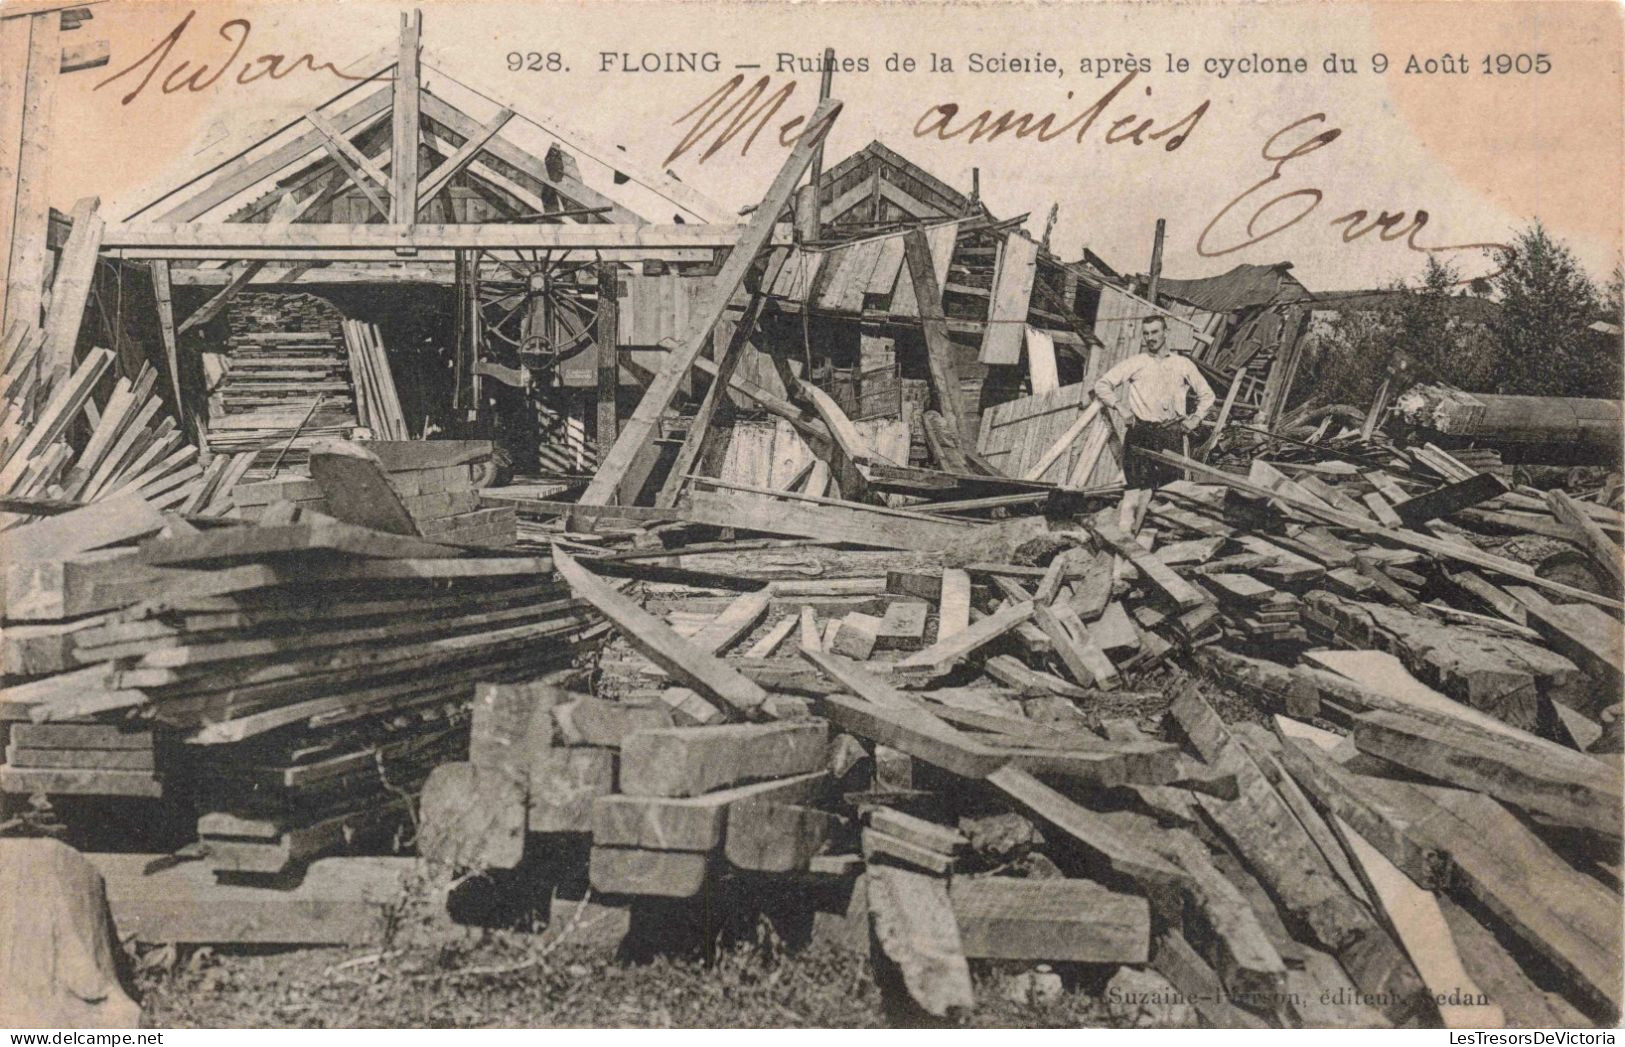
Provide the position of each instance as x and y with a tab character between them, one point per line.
240	175
367	176
441	176
438	111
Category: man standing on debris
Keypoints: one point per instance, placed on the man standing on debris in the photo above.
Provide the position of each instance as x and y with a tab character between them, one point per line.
1155	416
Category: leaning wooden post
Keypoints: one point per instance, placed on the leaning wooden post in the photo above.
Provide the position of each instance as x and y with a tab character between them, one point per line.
628	463
608	338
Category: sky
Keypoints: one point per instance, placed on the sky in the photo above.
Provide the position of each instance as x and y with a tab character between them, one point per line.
1482	153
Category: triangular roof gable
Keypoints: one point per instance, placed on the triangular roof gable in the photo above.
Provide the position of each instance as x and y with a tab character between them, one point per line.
260	172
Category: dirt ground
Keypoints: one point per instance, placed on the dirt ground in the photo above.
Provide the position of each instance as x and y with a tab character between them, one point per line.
509	979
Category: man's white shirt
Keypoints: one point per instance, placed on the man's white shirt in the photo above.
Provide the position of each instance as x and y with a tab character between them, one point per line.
1156	387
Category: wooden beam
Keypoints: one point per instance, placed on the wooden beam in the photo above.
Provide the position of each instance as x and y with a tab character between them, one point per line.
234	239
847	446
915	944
442	175
607	335
166	327
627	464
940	658
1063	442
1590	536
14	38
403	169
939	352
1585	794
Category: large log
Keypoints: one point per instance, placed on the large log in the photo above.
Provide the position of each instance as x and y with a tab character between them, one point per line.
56	942
1557	421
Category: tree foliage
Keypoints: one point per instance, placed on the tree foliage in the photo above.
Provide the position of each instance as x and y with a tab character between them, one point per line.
1536	342
1415	335
1543	347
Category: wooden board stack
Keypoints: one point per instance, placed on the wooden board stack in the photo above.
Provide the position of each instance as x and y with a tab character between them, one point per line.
378	407
132	445
286	380
666	833
301	678
74	758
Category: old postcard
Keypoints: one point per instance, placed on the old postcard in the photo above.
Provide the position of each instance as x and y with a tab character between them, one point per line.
852	514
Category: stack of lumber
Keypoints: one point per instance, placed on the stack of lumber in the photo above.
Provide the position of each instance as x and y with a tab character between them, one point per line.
295	681
58	757
684	794
253	500
86	438
286	380
378	407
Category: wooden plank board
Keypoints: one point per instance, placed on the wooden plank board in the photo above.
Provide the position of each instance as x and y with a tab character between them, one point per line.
1159	574
688	761
338	901
953	611
855	523
1055	920
112	521
941	657
1012	291
1041	373
692	823
1120	856
30	191
925	280
250	543
1586	796
70	288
